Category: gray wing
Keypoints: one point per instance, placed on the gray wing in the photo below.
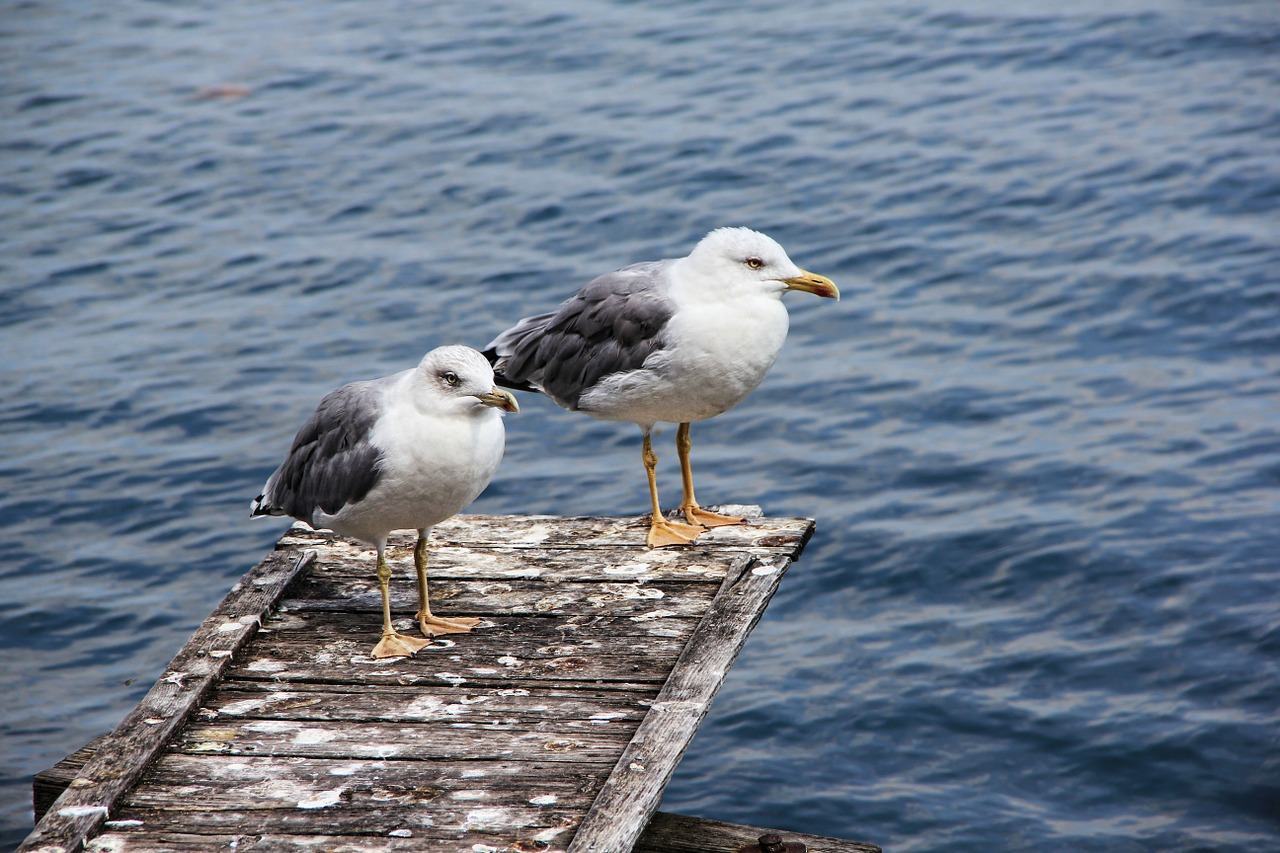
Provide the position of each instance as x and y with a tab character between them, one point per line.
332	462
609	326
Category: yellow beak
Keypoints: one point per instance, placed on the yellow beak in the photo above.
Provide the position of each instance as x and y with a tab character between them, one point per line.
499	399
818	285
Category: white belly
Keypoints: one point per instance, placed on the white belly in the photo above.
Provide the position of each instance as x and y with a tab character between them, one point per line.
722	355
431	476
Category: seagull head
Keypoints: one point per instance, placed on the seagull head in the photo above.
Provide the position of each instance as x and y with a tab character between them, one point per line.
459	373
743	260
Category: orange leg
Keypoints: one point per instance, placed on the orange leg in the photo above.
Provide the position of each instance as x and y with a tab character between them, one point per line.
392	644
663	532
432	625
693	513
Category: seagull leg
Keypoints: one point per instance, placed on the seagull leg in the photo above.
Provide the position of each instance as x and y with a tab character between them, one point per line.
693	513
663	532
392	644
432	625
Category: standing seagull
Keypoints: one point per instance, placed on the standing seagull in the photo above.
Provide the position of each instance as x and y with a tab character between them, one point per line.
404	451
678	340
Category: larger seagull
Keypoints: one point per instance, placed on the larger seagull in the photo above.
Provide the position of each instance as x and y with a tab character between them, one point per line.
676	341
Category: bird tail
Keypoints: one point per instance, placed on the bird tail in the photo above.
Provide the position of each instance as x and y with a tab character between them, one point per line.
262	506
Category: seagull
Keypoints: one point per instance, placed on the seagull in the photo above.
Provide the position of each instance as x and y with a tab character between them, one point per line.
404	451
676	341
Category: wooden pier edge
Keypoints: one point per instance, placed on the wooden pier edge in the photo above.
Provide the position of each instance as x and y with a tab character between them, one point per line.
122	757
665	832
74	799
634	788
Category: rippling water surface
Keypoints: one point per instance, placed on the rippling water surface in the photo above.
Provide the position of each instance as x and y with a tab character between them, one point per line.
1041	431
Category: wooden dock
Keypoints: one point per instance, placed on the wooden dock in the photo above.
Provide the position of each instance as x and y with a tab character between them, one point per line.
554	726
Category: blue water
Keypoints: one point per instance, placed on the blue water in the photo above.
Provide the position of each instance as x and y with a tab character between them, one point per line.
1041	430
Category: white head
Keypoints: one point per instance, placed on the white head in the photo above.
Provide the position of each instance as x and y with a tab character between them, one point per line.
744	261
460	376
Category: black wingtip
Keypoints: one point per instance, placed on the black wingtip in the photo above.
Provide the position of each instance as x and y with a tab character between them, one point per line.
260	509
492	355
514	386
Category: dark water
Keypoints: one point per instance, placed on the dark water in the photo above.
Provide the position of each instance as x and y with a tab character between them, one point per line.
1041	432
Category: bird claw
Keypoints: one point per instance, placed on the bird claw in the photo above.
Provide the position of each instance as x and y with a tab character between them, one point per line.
697	515
433	625
663	533
398	646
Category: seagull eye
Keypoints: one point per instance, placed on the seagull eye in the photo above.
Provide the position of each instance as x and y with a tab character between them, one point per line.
755	263
450	378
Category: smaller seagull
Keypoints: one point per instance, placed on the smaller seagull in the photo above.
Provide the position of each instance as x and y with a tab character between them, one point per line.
406	451
677	341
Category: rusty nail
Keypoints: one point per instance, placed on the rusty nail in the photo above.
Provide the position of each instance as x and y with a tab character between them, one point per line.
771	842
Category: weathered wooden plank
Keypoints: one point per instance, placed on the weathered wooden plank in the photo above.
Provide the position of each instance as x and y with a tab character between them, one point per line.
417	681
439	820
273	781
290	665
341	740
666	833
121	759
342	559
567	709
252	786
600	649
672	833
633	790
308	796
577	705
325	589
402	672
496	630
587	532
402	841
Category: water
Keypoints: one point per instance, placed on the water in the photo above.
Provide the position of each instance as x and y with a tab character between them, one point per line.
1041	431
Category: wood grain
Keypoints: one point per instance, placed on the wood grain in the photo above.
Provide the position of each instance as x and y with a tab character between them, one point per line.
121	758
632	792
555	725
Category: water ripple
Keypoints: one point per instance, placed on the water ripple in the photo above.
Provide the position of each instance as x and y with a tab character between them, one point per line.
1039	432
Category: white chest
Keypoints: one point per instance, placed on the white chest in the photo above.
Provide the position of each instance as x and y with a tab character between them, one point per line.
432	469
727	352
718	355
